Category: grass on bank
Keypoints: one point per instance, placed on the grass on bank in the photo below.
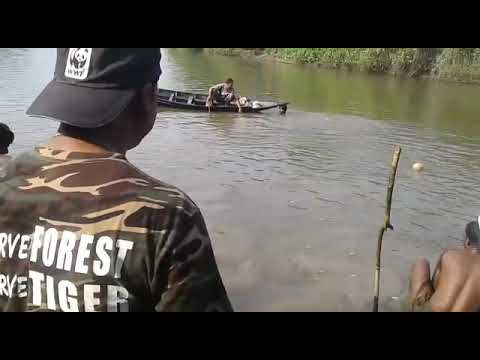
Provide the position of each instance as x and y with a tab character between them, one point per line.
457	64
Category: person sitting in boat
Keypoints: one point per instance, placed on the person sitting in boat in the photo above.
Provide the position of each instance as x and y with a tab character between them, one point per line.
223	93
455	284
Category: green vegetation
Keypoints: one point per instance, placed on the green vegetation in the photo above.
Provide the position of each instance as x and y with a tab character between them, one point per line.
458	64
234	51
224	51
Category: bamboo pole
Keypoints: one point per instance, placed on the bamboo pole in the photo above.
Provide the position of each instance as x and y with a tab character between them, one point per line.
386	225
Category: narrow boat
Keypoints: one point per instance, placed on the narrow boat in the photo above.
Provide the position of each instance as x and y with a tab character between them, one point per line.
196	102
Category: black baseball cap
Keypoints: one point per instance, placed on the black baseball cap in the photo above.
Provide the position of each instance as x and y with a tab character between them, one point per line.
92	86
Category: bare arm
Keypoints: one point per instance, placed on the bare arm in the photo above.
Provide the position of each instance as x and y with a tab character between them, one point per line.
421	288
209	101
239	105
453	290
446	291
237	100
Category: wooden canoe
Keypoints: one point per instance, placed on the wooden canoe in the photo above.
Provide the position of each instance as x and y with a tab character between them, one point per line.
196	102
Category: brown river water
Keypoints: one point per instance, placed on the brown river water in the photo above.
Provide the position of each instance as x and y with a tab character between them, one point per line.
294	203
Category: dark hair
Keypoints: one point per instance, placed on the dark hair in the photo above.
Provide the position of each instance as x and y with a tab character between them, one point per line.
229	81
94	136
6	138
472	232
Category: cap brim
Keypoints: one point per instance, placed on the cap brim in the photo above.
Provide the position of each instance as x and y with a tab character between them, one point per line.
80	106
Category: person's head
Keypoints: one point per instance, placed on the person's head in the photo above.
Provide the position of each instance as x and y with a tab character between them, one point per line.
6	138
105	96
229	83
127	130
472	235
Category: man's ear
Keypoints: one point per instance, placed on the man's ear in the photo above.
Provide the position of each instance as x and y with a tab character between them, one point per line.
467	243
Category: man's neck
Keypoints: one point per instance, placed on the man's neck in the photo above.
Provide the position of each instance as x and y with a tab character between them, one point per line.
62	142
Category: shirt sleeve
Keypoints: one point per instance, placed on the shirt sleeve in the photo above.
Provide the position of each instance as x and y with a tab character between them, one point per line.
188	270
217	87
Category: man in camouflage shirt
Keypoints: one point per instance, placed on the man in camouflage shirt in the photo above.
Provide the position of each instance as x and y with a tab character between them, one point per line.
82	229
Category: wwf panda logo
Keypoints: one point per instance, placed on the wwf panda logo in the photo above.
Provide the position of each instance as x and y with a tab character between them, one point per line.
79	57
78	63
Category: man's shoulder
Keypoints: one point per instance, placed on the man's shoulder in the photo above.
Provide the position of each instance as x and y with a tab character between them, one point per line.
152	189
460	261
453	256
108	179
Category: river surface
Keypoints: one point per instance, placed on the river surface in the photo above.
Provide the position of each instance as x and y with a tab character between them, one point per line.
293	203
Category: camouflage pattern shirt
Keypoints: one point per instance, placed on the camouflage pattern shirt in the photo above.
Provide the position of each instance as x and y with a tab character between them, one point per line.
90	232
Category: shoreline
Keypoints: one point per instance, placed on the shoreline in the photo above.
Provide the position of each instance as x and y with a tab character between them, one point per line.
263	56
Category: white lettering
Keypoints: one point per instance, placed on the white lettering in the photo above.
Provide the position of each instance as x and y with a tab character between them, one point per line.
24	245
37	242
123	246
49	247
66	299
10	285
83	253
11	246
117	297
3	285
37	278
3	242
65	248
50	294
7	285
22	286
102	267
90	300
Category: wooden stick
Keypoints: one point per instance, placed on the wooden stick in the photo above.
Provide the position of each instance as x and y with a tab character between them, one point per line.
386	225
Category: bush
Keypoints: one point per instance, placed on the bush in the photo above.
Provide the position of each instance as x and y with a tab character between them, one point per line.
461	64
